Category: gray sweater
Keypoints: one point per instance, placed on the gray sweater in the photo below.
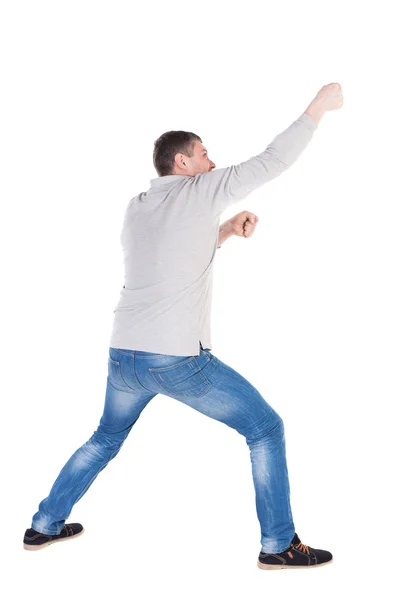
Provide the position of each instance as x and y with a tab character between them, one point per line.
169	239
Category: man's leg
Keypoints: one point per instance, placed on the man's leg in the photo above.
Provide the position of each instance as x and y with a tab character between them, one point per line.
213	388
123	406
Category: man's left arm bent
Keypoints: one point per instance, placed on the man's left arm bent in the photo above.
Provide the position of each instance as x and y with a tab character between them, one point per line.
243	224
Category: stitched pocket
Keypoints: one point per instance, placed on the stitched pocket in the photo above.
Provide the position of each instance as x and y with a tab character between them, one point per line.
184	379
115	375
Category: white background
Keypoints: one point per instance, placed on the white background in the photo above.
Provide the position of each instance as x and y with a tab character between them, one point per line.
306	309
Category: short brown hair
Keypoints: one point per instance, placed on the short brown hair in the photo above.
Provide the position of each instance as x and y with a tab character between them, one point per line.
168	145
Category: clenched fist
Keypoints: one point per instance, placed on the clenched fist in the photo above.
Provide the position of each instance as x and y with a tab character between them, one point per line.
329	97
244	223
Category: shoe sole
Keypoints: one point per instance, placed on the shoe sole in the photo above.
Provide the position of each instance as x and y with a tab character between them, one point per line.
45	544
276	567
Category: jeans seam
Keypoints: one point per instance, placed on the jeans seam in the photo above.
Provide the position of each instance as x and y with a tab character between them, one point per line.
120	389
186	393
155	355
136	376
170	367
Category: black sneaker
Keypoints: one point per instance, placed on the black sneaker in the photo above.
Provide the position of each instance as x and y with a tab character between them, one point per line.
34	540
297	556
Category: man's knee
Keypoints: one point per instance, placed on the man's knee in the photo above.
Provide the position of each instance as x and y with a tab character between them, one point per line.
271	429
104	444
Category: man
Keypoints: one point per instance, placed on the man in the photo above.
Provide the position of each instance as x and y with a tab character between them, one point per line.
160	342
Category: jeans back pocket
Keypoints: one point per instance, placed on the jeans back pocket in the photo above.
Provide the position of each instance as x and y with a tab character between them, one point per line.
115	375
183	379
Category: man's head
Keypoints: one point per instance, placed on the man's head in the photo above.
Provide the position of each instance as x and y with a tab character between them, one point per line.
181	153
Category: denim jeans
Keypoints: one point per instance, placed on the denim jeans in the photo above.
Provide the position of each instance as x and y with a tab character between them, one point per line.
209	386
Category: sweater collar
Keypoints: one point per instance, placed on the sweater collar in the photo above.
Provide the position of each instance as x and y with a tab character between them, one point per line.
158	181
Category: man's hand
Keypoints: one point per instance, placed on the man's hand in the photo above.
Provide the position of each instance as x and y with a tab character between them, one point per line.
244	224
329	97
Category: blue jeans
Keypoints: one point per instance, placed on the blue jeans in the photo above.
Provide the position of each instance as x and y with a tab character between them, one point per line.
209	386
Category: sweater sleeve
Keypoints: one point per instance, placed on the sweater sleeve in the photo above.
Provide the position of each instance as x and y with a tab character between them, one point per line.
223	187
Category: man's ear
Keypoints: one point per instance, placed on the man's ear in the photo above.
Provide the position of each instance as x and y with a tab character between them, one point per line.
179	159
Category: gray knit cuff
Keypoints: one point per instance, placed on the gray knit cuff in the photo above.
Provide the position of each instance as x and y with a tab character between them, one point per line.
308	121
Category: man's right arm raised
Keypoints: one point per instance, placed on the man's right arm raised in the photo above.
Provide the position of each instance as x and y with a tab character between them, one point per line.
224	187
